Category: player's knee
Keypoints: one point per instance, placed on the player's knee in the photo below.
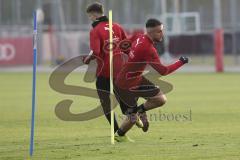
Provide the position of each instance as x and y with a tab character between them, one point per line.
161	100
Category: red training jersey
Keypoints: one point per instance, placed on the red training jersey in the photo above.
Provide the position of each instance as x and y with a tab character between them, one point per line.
141	54
99	44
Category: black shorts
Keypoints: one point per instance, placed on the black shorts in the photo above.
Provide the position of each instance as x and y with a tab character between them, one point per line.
103	89
129	97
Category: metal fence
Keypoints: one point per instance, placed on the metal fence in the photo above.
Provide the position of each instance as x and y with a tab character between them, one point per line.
68	18
19	12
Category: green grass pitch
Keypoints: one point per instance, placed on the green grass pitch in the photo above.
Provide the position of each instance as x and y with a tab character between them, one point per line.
212	133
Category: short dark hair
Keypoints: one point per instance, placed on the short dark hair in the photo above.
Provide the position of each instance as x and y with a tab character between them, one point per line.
153	23
95	7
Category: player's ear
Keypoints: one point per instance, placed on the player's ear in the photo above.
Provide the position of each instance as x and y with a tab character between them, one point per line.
150	30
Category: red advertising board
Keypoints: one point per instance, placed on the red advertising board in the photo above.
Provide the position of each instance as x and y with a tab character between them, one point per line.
15	51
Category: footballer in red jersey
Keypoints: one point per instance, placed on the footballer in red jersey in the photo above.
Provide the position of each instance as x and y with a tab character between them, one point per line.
99	45
130	78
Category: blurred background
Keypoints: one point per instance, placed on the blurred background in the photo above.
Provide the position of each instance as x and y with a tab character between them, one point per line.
208	31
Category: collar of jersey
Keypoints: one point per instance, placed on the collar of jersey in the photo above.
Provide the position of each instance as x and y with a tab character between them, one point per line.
98	20
148	38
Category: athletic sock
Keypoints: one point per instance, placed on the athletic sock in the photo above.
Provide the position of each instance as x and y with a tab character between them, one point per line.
120	132
141	109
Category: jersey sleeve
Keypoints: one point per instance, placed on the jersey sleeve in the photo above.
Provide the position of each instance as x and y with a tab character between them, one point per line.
94	43
155	62
125	43
123	34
